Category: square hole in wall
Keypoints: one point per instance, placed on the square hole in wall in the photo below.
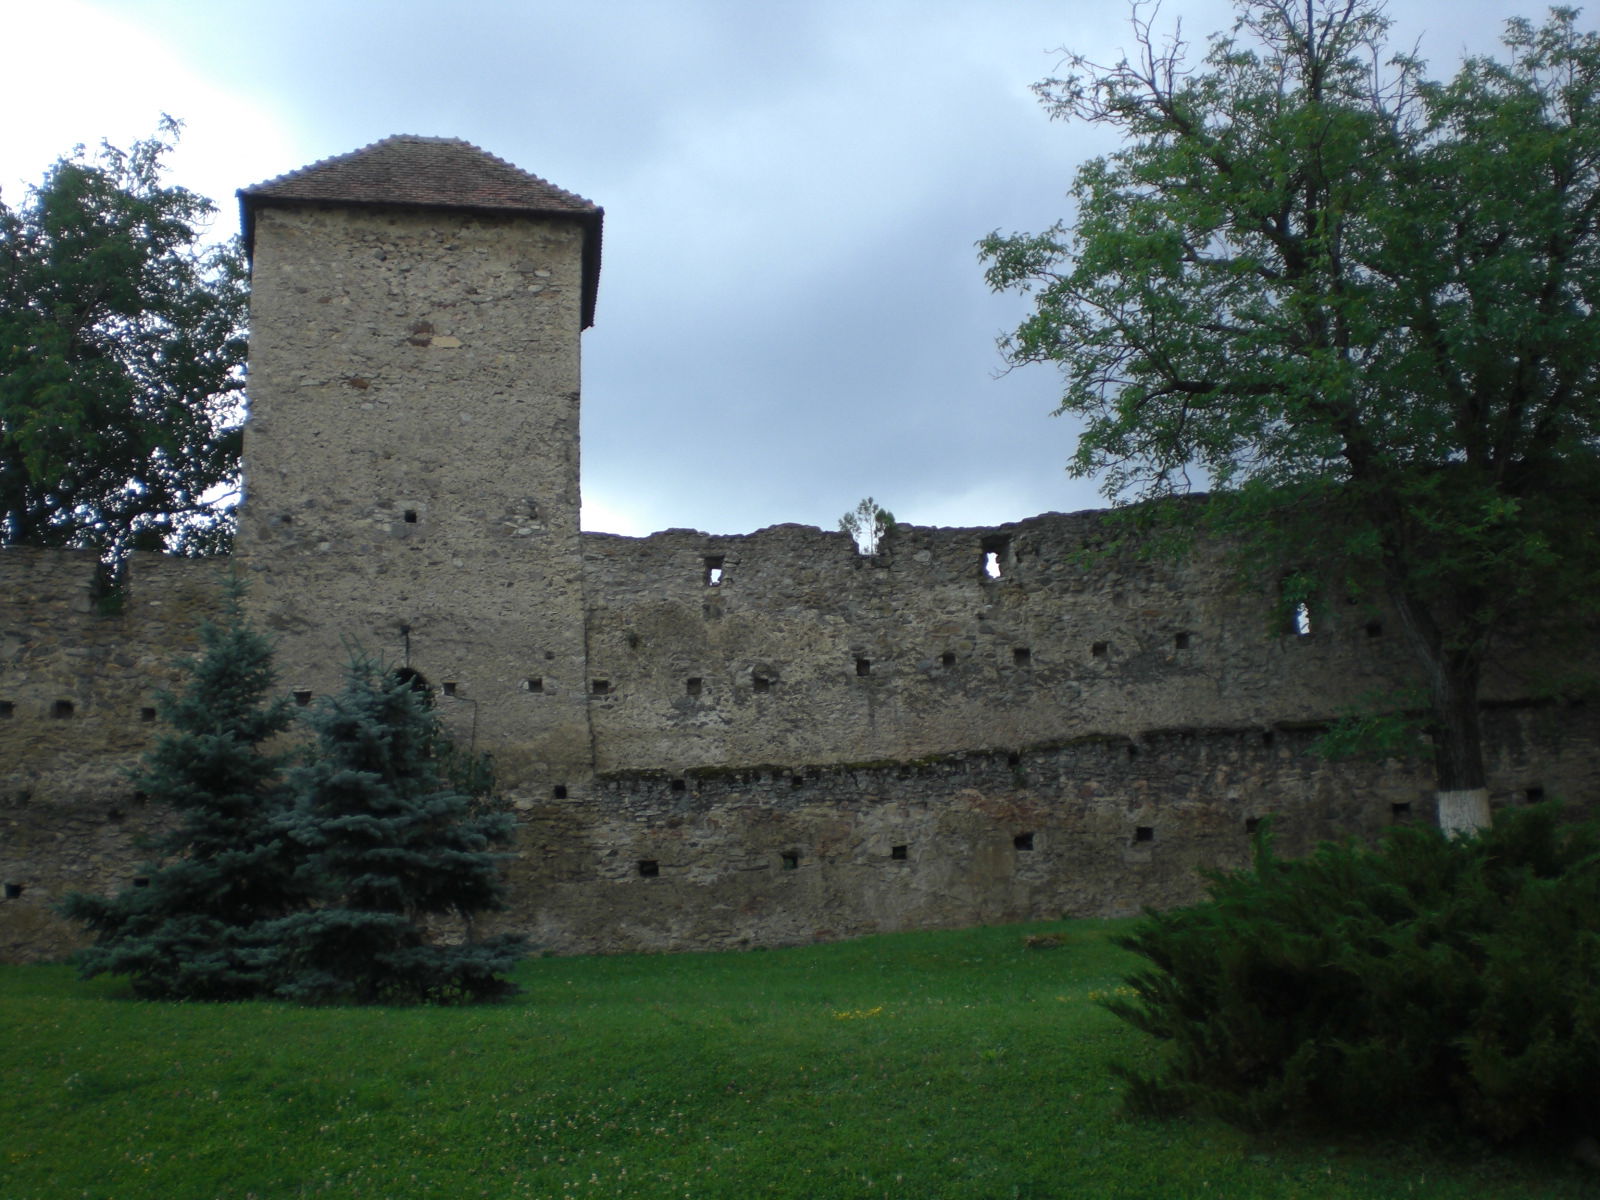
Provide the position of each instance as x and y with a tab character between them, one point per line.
797	781
141	881
694	687
1022	841
760	683
62	709
680	785
409	516
790	860
8	708
1180	641
1251	824
147	714
448	687
600	687
13	891
649	868
947	659
898	852
1534	794
302	696
1100	649
559	792
863	666
714	568
996	550
534	683
1300	620
1021	656
1144	833
1374	629
1400	809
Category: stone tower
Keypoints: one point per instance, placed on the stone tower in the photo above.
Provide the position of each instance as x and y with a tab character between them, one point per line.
411	459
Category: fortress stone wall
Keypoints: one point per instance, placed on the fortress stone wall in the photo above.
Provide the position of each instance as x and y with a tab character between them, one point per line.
709	741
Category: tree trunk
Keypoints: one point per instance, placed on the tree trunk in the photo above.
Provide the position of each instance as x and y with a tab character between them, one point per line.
1460	781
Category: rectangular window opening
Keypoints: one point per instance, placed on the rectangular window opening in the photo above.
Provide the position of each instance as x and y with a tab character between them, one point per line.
302	696
1144	833
761	683
1180	641
448	687
1021	656
410	516
1300	620
996	555
713	576
863	666
694	686
797	780
791	860
898	853
62	710
8	708
680	785
1374	629
649	868
1022	841
600	687
1100	649
559	792
147	714
534	683
1534	794
1251	824
947	659
141	881
13	891
1400	809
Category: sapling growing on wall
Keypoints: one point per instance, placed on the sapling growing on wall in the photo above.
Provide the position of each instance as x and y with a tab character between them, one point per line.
868	523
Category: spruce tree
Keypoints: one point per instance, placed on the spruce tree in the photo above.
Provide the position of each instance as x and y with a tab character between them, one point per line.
389	844
195	931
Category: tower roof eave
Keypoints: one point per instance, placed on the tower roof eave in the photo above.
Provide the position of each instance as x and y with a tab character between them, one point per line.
412	172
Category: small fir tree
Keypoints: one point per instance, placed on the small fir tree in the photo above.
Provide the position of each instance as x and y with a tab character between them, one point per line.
196	930
389	844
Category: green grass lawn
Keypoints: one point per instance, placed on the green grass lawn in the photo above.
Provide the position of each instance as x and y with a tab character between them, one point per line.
918	1065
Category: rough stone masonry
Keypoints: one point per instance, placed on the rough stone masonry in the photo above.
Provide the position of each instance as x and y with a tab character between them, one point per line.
709	741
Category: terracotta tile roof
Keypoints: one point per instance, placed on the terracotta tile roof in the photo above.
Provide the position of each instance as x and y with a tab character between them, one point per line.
424	172
408	171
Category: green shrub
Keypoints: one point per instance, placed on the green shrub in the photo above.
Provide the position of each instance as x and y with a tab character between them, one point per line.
1429	978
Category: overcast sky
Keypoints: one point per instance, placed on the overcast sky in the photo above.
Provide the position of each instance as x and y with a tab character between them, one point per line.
791	314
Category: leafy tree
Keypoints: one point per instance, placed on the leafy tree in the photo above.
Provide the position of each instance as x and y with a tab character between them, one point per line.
121	352
867	522
1359	303
388	845
196	930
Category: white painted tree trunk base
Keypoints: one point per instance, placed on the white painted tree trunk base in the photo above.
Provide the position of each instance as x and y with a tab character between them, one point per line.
1466	811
